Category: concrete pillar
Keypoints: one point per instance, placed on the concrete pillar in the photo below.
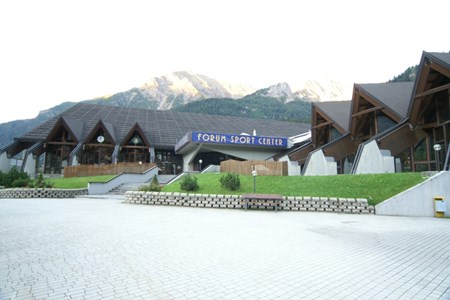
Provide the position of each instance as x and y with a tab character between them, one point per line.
293	167
319	164
30	165
372	160
188	159
5	162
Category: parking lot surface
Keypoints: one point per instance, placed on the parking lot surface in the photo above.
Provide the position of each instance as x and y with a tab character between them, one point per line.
104	249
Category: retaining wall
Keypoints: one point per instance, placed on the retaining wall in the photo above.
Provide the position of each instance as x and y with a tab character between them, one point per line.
418	200
41	193
324	204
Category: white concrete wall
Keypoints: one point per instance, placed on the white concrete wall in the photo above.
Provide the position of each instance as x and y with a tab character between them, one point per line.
372	160
5	162
418	200
244	153
293	167
30	165
187	159
318	164
98	188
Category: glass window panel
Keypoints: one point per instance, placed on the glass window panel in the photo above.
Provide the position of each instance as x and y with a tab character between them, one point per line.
335	133
420	151
384	122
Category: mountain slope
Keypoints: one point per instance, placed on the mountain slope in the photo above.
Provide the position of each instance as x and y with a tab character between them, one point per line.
16	128
179	89
174	90
408	75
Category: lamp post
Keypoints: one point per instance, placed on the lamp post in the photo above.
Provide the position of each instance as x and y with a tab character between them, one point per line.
254	173
140	165
200	162
437	148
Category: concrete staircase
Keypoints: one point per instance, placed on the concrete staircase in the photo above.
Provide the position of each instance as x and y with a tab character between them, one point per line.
121	189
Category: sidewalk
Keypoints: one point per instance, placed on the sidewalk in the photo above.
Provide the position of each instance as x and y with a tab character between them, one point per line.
86	248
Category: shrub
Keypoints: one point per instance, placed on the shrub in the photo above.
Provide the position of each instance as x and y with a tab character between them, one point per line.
15	178
152	187
20	182
189	183
230	181
40	182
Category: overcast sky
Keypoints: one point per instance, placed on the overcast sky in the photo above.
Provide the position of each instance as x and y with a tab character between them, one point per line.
55	51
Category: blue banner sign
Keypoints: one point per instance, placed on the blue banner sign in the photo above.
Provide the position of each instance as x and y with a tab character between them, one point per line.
238	139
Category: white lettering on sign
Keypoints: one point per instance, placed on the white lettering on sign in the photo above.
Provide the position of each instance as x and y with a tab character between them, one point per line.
237	139
209	137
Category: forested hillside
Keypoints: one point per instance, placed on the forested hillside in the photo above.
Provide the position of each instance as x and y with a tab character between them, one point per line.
253	106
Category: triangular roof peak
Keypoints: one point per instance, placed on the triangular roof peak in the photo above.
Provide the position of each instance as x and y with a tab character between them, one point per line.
73	126
441	58
433	76
108	130
394	96
337	112
135	127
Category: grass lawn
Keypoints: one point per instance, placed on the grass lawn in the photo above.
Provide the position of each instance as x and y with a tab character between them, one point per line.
77	182
374	187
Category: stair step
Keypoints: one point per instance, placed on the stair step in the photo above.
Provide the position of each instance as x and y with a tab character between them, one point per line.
124	187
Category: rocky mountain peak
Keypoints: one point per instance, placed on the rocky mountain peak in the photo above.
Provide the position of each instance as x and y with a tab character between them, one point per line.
324	90
280	90
182	87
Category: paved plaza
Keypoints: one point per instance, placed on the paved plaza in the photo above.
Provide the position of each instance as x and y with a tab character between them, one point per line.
104	249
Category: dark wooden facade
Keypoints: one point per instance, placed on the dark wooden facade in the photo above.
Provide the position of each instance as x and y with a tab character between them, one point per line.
411	120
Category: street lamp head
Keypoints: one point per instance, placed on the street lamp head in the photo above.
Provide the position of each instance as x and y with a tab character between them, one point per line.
200	161
437	147
254	172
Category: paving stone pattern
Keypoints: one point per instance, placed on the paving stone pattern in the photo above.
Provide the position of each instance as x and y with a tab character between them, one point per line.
322	204
104	249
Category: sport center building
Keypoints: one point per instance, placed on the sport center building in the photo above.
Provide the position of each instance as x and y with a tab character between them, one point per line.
385	127
175	141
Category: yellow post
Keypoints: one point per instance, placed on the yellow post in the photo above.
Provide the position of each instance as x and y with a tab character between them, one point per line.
439	206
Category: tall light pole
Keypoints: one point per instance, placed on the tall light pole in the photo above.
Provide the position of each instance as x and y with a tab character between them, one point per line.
254	173
437	148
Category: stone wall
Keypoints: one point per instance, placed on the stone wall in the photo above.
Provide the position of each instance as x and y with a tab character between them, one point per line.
337	205
41	193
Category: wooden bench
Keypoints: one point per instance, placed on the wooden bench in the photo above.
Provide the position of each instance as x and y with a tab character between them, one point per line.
262	199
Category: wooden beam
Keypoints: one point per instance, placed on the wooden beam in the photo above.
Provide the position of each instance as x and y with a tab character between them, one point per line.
423	79
322	124
432	91
100	145
62	143
437	67
134	147
366	111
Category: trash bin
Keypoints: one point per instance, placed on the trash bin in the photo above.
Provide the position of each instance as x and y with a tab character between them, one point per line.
440	207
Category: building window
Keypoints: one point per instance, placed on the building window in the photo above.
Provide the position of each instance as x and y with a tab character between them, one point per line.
383	122
335	134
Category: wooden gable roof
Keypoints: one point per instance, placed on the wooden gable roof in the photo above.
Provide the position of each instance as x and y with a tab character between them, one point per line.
335	112
389	98
433	76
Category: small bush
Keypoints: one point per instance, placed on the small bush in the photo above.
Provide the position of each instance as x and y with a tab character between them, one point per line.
152	187
40	182
230	181
21	182
14	178
189	183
